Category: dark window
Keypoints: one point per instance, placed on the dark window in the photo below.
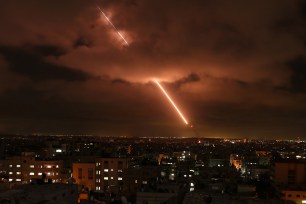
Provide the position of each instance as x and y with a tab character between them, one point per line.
80	173
291	176
289	195
291	172
105	164
298	196
90	173
120	164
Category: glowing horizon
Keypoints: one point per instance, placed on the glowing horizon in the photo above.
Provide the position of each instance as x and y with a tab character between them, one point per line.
171	101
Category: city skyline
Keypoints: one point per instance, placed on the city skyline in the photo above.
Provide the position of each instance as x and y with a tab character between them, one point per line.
235	69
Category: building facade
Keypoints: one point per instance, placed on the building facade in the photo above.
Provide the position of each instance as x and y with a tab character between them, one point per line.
23	169
84	175
290	173
109	173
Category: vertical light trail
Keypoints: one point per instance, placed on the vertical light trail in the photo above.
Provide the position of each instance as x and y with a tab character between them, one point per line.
171	101
119	34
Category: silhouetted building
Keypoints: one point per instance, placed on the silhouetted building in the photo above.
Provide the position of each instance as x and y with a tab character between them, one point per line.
44	193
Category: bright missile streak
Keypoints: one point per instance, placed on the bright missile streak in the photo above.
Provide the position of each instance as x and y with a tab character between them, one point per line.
171	101
119	34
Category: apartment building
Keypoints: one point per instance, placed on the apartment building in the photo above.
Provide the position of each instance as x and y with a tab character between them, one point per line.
23	169
109	173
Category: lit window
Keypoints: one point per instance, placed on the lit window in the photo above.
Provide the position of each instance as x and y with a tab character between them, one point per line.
135	181
10	172
31	166
39	174
119	178
32	174
58	150
112	177
105	170
18	172
144	182
98	180
105	178
57	166
10	179
48	166
10	165
18	179
98	188
112	169
119	170
18	165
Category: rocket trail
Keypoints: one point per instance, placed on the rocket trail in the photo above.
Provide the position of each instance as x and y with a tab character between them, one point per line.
116	30
171	101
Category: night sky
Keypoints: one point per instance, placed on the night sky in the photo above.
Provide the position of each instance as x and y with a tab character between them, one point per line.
234	68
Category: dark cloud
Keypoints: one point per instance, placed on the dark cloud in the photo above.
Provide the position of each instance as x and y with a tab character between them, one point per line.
245	120
31	63
231	66
302	9
193	77
241	83
298	77
82	41
120	81
46	50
